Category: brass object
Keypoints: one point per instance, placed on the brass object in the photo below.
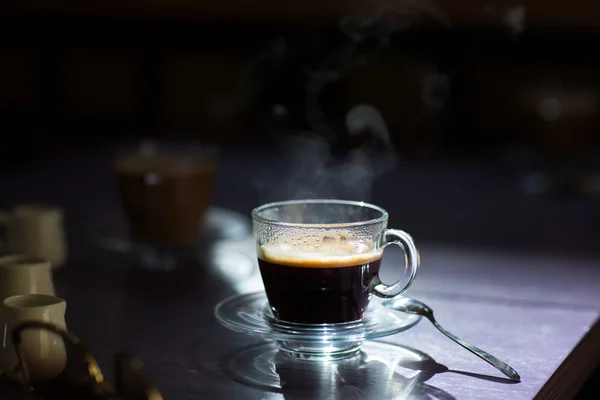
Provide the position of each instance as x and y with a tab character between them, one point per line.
90	384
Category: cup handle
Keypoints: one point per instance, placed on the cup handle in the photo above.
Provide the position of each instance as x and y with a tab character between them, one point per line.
411	265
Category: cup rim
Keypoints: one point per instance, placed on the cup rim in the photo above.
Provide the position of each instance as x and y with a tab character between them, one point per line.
194	148
258	218
38	208
185	156
22	261
49	300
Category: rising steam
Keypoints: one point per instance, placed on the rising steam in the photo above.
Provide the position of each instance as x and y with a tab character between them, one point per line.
314	173
312	169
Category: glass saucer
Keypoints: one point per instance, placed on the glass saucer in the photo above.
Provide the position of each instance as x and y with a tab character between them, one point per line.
111	232
250	314
378	371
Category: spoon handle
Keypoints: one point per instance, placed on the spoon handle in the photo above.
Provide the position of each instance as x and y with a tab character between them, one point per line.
496	363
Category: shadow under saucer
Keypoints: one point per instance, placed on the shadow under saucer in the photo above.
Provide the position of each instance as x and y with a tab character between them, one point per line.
112	233
379	371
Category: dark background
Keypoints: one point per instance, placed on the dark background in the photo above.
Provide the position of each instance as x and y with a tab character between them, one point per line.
494	107
450	78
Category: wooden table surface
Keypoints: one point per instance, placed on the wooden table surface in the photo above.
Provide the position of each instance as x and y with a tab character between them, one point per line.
531	308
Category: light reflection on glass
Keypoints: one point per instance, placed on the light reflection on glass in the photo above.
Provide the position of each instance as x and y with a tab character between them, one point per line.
235	262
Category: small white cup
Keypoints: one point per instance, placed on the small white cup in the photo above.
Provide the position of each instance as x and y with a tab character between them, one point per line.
37	231
21	274
44	352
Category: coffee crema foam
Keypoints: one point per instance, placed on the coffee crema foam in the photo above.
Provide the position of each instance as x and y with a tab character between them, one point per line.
335	255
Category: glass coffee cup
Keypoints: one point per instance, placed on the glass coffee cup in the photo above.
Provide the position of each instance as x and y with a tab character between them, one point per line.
166	190
320	259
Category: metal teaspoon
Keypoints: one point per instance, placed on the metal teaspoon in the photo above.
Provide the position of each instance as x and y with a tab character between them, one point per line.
413	306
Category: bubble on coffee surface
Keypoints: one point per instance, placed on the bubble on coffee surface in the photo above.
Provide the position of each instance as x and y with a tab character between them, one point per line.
323	250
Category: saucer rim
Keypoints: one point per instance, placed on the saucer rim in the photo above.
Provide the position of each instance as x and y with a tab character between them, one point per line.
267	332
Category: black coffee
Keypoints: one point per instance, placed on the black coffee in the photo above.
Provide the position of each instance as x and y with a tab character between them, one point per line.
319	287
